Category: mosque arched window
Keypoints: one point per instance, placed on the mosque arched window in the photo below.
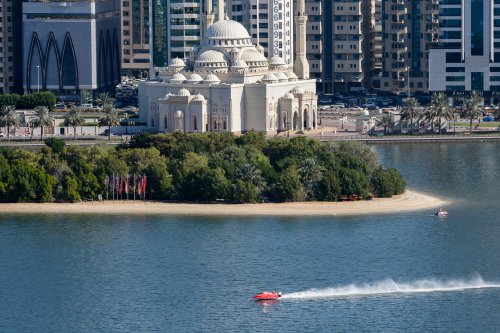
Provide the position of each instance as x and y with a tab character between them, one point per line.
165	122
224	125
195	122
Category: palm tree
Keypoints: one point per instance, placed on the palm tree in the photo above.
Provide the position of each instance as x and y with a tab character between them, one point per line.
111	118
411	111
472	108
9	118
105	100
440	109
310	173
73	118
385	122
32	124
44	118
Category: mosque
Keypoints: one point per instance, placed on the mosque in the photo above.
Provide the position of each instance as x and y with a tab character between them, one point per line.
228	85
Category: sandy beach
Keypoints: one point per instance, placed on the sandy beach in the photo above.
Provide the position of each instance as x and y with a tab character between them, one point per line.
409	201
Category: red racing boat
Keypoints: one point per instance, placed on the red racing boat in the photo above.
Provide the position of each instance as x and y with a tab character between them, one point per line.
267	295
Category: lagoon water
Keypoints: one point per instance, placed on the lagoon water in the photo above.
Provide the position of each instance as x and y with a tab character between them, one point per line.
408	272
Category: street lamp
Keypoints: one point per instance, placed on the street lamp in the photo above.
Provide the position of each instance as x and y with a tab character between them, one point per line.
38	78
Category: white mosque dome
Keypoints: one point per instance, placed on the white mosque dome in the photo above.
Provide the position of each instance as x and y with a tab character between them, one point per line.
178	78
183	92
195	78
260	48
269	78
253	56
281	76
239	64
297	90
227	29
198	98
211	59
277	61
167	96
292	76
211	78
177	62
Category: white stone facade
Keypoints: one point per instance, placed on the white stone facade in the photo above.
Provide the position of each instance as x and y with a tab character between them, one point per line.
228	85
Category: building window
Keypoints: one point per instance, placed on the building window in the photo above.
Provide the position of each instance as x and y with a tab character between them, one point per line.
476	34
195	123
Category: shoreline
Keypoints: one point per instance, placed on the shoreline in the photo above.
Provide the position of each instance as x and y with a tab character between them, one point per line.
407	202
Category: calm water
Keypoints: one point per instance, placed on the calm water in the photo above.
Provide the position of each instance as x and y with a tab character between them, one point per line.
170	274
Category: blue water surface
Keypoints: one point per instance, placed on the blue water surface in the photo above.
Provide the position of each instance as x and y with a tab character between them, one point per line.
104	273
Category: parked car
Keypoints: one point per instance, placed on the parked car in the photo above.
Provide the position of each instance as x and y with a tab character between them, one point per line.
60	106
129	108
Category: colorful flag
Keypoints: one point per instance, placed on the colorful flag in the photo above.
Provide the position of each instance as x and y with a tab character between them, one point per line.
144	184
127	177
138	185
120	185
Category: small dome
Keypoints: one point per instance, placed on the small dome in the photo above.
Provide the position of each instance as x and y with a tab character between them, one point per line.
289	96
178	78
292	76
199	98
177	62
269	78
178	113
211	78
235	50
259	48
276	61
281	76
195	78
239	64
211	59
183	92
167	96
227	29
253	56
297	90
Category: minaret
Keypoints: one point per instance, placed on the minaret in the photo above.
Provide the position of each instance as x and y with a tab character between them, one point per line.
207	18
301	65
221	13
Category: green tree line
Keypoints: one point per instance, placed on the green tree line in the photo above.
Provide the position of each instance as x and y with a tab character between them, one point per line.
29	101
201	167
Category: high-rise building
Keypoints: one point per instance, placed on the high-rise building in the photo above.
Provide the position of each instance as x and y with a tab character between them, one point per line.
468	56
177	26
135	37
10	46
409	32
375	64
71	47
314	39
347	45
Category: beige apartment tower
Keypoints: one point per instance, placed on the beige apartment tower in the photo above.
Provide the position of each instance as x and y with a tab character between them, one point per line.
410	30
348	44
135	57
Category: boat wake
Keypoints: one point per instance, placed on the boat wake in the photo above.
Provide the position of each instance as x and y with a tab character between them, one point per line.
389	286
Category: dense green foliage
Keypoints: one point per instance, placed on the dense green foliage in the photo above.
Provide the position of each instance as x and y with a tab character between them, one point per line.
29	101
201	167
